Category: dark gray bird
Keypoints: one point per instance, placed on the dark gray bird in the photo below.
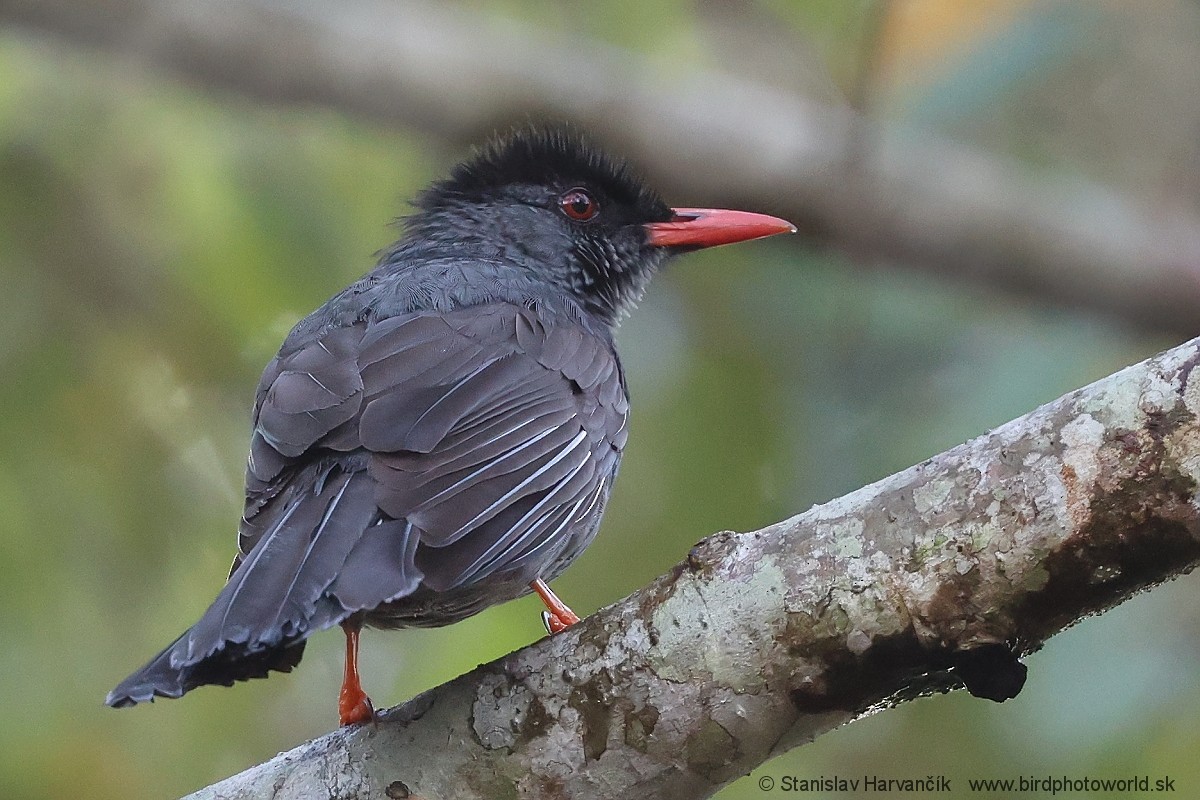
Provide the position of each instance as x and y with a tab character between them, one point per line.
443	434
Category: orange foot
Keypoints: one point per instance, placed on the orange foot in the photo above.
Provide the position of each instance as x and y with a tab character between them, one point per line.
558	617
353	704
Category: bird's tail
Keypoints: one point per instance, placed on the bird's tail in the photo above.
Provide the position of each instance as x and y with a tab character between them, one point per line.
275	597
169	675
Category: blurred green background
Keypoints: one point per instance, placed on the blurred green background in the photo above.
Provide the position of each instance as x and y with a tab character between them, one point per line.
157	241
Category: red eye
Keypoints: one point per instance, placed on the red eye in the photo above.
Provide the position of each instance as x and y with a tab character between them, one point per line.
579	205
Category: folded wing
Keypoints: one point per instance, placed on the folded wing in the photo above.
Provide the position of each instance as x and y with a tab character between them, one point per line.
433	450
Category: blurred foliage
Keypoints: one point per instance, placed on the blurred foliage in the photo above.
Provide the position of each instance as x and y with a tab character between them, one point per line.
157	242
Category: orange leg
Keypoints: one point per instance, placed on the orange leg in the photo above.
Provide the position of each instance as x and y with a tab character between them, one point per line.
558	617
353	704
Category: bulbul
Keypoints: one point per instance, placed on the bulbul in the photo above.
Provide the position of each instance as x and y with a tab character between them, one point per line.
443	434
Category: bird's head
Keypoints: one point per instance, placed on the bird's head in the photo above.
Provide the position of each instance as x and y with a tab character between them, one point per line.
545	199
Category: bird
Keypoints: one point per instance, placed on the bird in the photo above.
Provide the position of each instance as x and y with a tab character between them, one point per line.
443	434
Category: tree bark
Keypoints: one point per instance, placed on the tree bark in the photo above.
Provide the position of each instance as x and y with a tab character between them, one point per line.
939	576
874	190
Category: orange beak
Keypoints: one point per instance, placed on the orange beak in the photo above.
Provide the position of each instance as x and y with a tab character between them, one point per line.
709	227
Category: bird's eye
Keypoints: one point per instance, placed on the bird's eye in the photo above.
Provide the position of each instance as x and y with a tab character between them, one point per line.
579	205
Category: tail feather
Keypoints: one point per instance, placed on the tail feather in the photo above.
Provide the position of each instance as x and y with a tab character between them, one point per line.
259	621
164	677
309	531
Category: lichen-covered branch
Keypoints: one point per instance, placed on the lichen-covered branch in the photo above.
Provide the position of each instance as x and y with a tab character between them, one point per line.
906	196
934	577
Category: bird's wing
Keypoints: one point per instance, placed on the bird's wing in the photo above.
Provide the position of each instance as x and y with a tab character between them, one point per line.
434	449
484	432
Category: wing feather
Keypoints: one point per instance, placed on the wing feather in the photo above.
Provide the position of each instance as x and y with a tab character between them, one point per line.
423	452
463	414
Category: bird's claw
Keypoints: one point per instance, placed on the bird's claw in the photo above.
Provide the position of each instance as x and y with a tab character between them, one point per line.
557	617
355	708
557	624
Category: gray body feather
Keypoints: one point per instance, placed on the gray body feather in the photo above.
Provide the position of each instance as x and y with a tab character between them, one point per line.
446	429
414	468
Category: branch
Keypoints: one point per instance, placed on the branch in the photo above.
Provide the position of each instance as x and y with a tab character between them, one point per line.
762	641
872	190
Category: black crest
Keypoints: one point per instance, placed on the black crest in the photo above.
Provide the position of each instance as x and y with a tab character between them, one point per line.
546	155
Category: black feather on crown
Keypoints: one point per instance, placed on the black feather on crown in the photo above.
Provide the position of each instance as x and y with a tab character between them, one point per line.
543	155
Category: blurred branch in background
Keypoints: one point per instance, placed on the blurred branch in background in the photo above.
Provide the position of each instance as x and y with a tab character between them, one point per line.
905	196
933	578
